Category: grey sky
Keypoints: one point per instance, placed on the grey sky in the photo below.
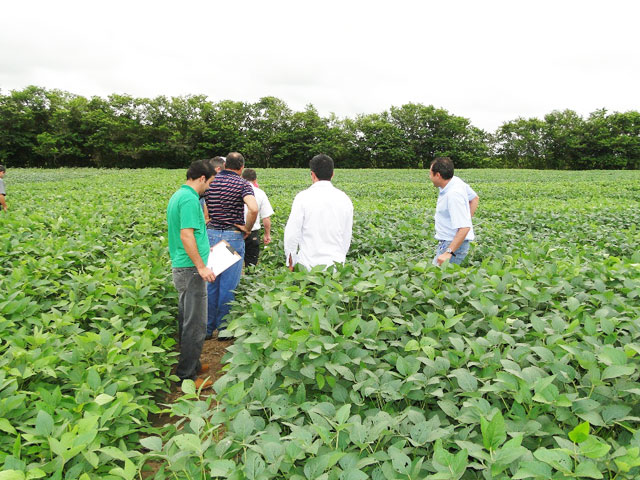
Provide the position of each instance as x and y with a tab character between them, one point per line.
489	61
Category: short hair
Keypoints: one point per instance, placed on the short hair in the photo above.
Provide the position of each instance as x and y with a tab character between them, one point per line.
215	162
235	161
3	168
443	166
199	168
322	166
249	174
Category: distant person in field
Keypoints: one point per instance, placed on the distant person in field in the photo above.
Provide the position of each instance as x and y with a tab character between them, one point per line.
457	203
252	242
225	199
3	191
189	251
218	165
318	231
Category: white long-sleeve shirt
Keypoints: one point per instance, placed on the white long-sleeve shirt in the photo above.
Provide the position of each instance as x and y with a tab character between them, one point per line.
318	231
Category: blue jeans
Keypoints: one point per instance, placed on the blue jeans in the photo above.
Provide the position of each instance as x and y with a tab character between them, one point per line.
221	292
460	253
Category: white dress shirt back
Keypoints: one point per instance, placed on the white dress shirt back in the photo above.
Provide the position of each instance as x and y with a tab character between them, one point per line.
319	228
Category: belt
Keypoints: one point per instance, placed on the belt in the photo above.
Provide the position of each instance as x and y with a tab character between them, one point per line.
232	228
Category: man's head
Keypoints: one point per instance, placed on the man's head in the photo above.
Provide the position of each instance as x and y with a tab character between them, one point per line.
199	175
235	162
322	167
249	174
217	163
2	171
441	171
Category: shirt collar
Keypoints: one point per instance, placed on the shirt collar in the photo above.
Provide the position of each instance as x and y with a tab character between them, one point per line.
446	187
322	184
228	172
187	187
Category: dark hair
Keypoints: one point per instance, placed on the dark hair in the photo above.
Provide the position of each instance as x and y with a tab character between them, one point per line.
215	162
443	166
249	174
235	161
199	168
2	168
322	166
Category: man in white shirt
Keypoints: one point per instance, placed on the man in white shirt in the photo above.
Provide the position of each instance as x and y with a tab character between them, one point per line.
318	231
457	202
252	242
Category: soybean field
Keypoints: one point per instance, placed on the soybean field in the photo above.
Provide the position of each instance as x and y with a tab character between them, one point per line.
521	364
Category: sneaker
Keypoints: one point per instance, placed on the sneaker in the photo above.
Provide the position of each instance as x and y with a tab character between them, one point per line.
201	383
204	368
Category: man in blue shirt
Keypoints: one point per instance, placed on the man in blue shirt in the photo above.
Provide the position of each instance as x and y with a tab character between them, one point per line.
457	202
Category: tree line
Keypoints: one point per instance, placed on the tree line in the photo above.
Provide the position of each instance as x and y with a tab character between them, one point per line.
51	128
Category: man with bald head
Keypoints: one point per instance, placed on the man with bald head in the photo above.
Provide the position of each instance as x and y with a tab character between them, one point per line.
226	199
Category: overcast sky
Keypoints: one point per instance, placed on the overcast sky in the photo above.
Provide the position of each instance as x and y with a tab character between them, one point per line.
489	61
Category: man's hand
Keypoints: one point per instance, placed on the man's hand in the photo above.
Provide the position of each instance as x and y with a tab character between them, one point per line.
443	258
267	238
206	274
246	231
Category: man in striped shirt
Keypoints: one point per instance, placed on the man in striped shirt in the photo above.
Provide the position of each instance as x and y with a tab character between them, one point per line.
225	199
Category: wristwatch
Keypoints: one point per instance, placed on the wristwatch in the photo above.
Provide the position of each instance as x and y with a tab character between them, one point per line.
451	252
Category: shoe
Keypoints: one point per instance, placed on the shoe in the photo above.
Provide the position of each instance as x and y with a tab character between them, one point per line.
201	383
204	368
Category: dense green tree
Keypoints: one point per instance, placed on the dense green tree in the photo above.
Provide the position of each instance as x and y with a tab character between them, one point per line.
520	143
612	141
52	128
377	143
563	139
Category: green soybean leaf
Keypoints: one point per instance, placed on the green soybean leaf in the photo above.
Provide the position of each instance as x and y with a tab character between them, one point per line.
593	447
556	458
466	381
152	443
221	468
580	433
12	475
587	469
533	469
44	424
493	432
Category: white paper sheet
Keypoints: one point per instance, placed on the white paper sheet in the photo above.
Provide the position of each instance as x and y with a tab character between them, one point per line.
221	257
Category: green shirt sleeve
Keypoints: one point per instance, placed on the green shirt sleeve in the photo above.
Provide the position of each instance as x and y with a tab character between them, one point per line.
191	215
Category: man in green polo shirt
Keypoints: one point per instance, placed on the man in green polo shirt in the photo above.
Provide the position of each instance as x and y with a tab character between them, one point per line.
189	251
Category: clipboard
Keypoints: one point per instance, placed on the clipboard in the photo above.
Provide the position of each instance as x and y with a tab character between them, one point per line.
221	257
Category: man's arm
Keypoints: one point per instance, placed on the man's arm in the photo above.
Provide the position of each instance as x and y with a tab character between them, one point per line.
454	245
191	247
3	202
348	229
252	214
267	230
473	204
205	210
293	233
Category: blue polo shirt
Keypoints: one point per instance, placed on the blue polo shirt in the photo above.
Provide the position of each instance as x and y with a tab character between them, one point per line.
452	210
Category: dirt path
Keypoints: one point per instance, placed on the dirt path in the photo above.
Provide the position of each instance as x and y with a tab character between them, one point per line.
212	353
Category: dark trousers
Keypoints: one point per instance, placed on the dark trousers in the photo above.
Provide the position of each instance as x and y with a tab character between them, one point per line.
192	319
252	248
